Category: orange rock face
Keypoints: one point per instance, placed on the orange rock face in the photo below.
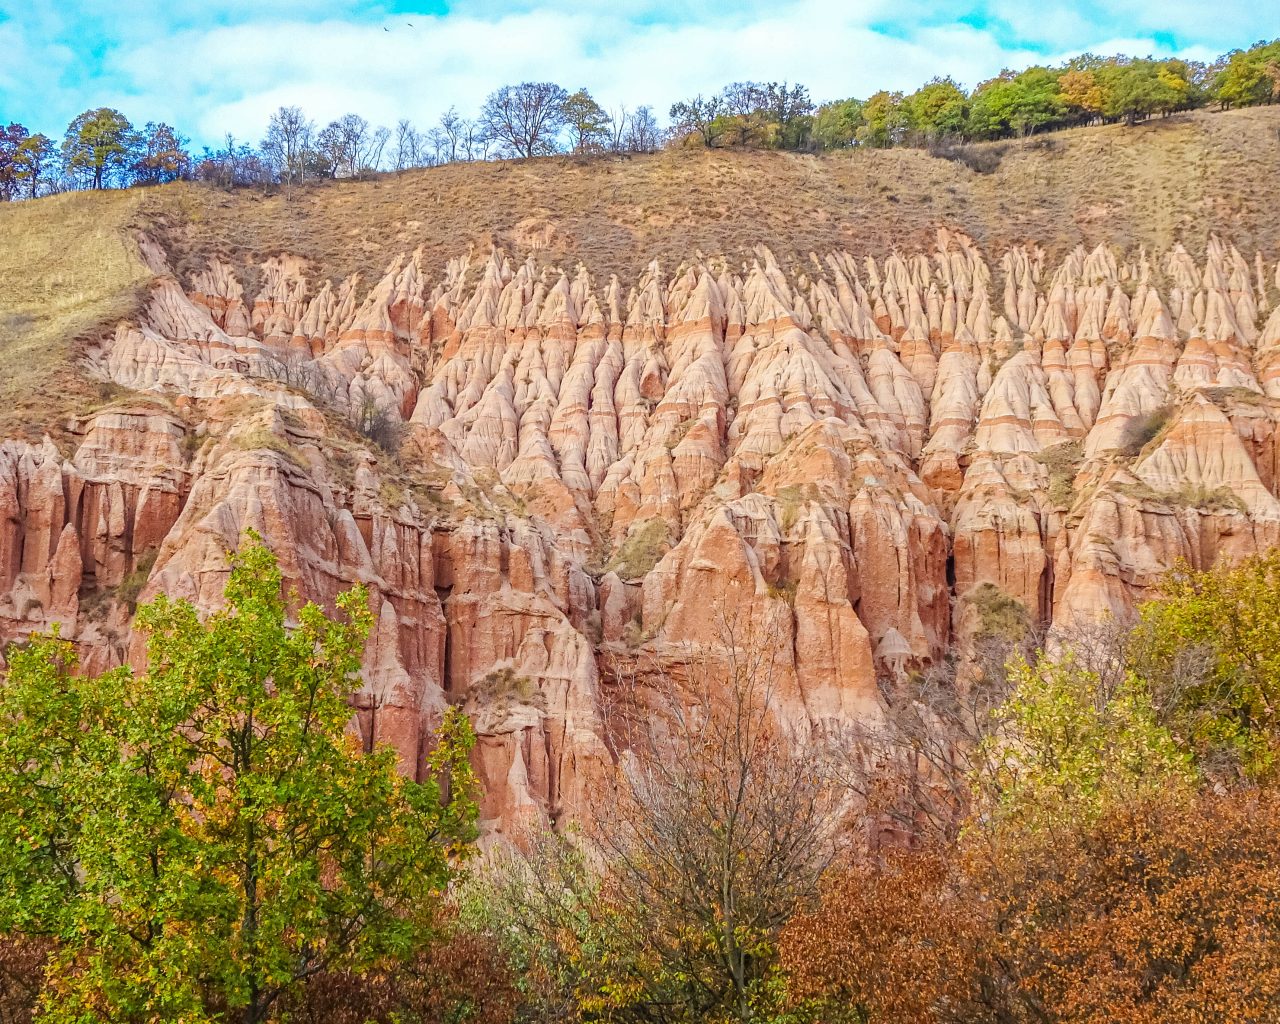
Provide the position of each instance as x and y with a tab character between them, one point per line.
591	479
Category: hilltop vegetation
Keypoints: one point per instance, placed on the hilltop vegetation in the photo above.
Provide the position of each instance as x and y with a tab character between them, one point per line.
1180	178
102	148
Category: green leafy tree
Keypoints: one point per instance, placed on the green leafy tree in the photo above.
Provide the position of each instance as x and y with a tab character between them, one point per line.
1136	89
791	111
1016	104
32	162
937	109
884	120
1068	747
99	144
586	121
202	839
835	126
1250	76
1208	645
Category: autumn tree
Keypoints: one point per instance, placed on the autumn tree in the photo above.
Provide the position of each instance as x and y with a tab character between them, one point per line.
699	118
745	113
890	941
1249	76
99	145
161	155
1163	909
790	109
202	839
1135	89
1098	878
883	120
526	118
12	138
461	977
1081	91
586	121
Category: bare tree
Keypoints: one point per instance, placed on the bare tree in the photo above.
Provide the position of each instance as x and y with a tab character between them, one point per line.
475	140
345	145
618	121
371	155
437	144
287	143
355	138
451	128
643	134
526	118
406	151
721	824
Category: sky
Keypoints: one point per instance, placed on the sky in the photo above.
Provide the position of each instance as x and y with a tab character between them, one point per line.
210	67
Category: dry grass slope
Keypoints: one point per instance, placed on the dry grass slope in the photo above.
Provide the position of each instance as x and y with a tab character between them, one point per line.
1169	179
69	270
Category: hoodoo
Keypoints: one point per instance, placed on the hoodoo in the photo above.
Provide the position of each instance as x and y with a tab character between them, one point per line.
550	482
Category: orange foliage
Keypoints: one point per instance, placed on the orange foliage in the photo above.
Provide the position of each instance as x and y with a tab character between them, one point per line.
1166	911
887	942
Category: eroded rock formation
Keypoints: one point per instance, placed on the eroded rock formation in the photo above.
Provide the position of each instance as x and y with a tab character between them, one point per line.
590	478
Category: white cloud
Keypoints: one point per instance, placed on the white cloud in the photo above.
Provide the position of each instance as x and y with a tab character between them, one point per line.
213	67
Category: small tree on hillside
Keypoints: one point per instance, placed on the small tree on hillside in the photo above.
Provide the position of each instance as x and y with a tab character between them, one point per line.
587	122
720	827
698	119
201	840
33	162
791	110
526	118
11	139
162	155
746	113
98	145
642	132
289	140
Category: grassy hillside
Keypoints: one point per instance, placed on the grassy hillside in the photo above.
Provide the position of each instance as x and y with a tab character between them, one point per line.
1169	179
69	270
